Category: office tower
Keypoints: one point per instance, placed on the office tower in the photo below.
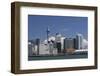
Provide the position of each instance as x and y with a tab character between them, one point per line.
58	42
62	43
38	45
75	46
51	47
29	48
79	41
69	45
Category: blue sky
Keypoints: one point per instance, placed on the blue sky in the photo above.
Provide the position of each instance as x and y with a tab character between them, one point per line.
68	26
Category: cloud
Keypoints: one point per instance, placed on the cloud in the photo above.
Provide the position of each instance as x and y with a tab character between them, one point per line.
53	38
85	43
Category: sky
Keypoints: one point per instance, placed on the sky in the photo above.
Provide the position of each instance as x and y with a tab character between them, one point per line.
67	26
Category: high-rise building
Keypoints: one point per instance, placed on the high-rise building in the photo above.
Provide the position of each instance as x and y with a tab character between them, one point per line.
38	45
69	45
58	42
31	51
75	46
79	41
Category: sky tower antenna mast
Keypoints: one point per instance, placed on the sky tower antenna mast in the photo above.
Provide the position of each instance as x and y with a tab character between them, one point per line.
48	31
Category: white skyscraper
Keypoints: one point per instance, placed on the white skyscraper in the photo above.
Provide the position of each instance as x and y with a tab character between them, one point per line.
79	41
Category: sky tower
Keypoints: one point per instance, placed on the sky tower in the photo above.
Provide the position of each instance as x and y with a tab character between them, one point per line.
48	31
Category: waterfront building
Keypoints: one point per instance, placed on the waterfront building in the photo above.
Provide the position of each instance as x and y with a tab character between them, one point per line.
58	42
79	41
69	45
31	48
62	43
38	45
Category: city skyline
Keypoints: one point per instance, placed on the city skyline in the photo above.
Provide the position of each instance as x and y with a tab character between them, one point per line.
66	25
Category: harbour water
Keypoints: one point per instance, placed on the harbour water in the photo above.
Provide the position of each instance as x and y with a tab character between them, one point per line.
76	55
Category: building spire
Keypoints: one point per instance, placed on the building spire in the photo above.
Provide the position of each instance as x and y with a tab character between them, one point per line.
48	31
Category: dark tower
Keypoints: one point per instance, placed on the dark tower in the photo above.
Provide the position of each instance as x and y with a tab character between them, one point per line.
37	43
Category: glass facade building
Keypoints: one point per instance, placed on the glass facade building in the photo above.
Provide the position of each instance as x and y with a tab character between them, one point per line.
69	45
79	41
